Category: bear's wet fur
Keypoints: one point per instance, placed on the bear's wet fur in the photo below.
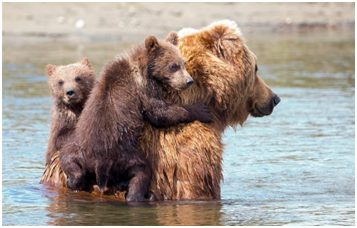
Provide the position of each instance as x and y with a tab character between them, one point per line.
186	160
128	94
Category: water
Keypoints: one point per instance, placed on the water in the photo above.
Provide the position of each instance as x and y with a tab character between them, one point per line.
296	167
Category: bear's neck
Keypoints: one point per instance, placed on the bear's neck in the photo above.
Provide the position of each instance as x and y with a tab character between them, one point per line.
70	110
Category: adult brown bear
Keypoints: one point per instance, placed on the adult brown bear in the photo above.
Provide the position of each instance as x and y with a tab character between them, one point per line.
186	160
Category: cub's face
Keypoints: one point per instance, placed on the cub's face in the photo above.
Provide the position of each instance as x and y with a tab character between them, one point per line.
71	84
167	65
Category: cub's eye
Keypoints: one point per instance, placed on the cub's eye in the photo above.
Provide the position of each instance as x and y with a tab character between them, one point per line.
174	67
78	79
60	82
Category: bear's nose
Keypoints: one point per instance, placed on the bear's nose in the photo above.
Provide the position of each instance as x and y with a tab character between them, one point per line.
276	100
189	81
70	92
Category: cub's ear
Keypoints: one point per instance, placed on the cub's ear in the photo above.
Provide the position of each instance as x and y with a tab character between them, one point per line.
86	62
151	43
172	37
50	69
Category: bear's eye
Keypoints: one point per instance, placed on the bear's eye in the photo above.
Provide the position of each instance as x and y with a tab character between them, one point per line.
60	82
174	67
78	79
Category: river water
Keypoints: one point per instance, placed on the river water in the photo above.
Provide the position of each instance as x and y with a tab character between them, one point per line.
295	167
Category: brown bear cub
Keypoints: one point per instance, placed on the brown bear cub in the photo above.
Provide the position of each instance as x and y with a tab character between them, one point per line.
70	87
106	146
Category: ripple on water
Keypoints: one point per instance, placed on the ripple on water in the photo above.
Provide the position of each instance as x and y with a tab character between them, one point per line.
295	167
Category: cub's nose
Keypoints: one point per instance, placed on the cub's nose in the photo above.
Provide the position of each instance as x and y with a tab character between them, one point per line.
189	81
70	92
276	100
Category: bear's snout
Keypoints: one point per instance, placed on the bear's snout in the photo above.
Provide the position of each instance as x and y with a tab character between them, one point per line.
275	100
268	109
189	81
181	81
260	110
70	92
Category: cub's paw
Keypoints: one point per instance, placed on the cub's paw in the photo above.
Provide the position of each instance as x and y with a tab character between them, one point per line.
74	184
203	113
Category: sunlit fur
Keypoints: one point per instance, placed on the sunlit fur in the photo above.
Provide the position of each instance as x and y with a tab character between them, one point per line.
186	160
128	94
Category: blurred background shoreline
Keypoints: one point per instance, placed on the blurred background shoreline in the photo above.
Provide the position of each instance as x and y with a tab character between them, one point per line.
27	23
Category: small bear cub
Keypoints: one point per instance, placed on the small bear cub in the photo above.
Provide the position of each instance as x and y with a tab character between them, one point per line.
70	87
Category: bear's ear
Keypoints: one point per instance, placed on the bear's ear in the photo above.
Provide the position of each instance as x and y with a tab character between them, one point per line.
172	37
151	43
226	37
50	69
86	62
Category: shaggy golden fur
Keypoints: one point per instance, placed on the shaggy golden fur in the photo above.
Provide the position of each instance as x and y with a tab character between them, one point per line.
187	160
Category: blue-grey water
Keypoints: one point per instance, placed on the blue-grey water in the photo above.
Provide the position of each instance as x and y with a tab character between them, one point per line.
295	167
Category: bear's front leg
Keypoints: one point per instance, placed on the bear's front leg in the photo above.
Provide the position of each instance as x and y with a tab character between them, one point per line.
139	184
102	170
161	114
70	166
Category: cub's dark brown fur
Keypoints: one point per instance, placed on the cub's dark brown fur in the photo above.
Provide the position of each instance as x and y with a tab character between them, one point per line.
70	87
106	146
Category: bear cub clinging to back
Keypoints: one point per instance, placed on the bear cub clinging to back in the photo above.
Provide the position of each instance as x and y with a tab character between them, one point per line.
106	145
70	87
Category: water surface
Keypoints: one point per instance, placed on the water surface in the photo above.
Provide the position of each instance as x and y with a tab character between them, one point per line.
296	167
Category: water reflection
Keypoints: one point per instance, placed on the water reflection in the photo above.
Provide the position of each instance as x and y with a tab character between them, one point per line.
68	208
296	167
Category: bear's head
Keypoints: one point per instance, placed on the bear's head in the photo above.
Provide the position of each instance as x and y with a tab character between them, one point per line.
225	73
166	64
71	84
